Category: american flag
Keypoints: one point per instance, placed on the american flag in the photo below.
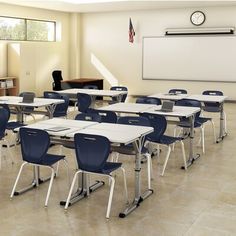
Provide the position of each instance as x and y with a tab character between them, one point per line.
131	31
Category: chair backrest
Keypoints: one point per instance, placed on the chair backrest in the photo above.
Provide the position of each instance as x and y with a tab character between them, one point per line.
6	107
213	106
134	120
4	116
178	91
57	77
119	88
106	116
88	117
61	109
90	86
189	103
91	151
34	144
27	109
53	95
149	100
83	102
159	123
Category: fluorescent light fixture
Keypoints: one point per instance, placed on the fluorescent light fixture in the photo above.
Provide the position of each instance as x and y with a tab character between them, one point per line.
90	1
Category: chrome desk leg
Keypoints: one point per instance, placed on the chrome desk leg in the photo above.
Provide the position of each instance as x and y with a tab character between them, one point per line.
192	158
222	133
138	196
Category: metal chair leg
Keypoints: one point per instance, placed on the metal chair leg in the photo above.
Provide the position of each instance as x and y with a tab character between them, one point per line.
166	160
110	196
17	179
50	186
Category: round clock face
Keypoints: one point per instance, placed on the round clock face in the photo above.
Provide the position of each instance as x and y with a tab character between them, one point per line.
197	18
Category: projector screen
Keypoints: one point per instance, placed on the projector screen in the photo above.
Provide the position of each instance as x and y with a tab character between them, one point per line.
192	58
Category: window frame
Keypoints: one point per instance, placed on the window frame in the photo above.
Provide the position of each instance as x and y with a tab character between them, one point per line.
26	29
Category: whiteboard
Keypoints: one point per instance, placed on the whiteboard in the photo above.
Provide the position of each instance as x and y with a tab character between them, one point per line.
192	58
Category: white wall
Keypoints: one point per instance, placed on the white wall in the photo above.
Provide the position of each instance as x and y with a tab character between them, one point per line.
106	35
37	60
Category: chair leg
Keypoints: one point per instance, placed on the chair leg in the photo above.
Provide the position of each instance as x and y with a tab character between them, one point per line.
112	180
203	139
184	156
125	184
71	189
50	186
149	169
166	160
17	179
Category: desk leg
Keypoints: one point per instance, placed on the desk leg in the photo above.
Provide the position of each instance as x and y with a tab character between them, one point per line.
222	125
192	158
138	196
50	109
81	191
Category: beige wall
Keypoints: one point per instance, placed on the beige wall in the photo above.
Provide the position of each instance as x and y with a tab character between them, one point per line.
106	36
3	59
36	61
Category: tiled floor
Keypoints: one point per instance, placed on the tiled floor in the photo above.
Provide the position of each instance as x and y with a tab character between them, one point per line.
199	201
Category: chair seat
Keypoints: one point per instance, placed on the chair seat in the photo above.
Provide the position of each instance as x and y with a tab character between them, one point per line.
50	159
186	124
212	109
165	139
203	119
14	124
127	149
109	167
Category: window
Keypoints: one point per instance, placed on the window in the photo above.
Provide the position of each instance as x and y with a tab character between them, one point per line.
27	29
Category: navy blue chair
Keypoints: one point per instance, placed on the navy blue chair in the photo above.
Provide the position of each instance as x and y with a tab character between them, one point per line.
62	108
214	107
52	95
198	121
34	147
88	117
123	97
178	91
148	100
57	78
84	101
129	149
106	116
4	116
159	124
92	152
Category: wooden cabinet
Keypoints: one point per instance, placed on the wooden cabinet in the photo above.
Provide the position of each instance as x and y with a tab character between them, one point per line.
9	86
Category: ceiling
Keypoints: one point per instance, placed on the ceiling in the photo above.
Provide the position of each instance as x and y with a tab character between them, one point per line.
113	5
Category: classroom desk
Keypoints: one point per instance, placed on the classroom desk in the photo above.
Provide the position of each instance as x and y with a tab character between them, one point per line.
116	133
72	93
178	111
201	98
16	102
